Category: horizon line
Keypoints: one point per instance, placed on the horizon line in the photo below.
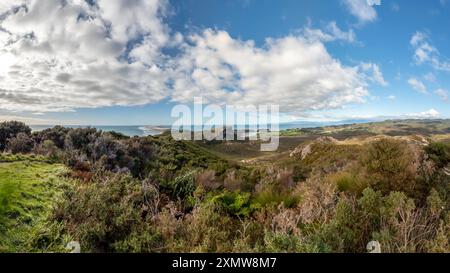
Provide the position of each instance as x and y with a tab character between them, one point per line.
359	120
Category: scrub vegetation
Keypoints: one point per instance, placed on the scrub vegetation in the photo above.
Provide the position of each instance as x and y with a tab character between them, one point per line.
325	190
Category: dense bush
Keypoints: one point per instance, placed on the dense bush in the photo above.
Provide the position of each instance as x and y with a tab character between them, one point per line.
49	149
182	187
439	153
235	203
390	166
154	194
275	187
107	215
21	143
56	134
10	129
141	152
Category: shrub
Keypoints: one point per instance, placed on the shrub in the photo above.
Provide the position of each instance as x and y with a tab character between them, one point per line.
282	243
106	215
78	161
283	231
56	134
399	221
441	242
49	149
317	200
268	197
48	236
348	182
80	138
141	240
21	143
328	158
207	180
140	154
235	203
439	153
182	188
389	166
370	204
300	173
276	187
109	154
232	182
11	129
342	233
207	230
404	227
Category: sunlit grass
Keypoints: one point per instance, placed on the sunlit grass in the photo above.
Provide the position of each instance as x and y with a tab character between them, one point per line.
28	192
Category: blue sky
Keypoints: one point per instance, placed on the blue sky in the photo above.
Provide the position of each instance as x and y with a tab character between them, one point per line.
396	55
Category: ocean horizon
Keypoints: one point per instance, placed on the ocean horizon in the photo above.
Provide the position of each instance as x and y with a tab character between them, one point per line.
128	130
152	130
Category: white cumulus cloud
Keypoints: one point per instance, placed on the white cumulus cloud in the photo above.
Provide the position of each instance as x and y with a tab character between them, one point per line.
58	55
294	72
430	114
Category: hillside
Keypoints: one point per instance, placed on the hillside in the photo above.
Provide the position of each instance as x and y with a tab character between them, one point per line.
248	151
331	189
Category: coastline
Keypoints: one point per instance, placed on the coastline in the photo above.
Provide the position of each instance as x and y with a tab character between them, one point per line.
141	130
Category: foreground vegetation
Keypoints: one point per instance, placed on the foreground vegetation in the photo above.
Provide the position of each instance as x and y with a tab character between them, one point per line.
29	188
154	194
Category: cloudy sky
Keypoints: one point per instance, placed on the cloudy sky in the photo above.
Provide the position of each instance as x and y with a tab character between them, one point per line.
122	62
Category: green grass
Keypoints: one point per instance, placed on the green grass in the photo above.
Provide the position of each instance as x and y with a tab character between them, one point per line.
5	157
28	192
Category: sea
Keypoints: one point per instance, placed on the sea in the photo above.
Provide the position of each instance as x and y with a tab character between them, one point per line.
143	130
152	130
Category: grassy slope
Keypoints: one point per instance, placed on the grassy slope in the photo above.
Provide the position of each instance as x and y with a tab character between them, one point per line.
28	191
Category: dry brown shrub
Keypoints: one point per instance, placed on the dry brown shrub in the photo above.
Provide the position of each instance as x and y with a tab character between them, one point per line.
81	175
207	179
286	221
232	182
152	198
169	224
284	178
318	200
276	180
